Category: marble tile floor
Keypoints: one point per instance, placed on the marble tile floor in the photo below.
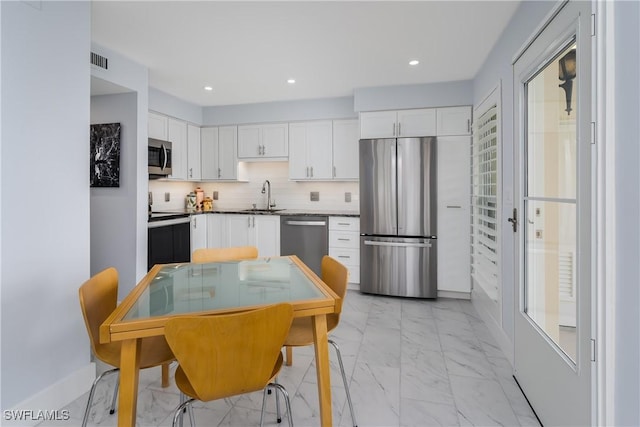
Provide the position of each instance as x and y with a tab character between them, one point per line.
409	363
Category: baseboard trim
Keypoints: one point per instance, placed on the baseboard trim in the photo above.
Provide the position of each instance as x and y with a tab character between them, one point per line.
48	402
454	294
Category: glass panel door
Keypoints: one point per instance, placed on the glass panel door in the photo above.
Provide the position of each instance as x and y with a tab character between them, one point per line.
550	199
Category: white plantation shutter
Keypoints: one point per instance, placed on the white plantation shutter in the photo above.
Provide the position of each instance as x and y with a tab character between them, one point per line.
484	182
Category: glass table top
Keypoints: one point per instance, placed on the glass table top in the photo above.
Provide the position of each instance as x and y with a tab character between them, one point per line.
192	288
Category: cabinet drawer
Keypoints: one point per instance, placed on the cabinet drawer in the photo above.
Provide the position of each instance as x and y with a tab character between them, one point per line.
340	223
344	239
346	256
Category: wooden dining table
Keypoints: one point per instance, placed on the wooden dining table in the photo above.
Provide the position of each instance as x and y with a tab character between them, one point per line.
189	289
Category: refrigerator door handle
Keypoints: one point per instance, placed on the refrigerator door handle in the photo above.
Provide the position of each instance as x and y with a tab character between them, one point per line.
397	244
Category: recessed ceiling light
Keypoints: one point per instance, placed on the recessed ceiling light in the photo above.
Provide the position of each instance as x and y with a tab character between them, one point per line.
414	62
291	81
208	88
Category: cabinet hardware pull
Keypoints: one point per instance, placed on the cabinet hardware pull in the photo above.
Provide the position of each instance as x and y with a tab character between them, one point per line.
394	129
344	240
468	125
334	171
311	171
399	129
248	222
344	256
254	222
343	223
307	172
219	173
190	172
454	207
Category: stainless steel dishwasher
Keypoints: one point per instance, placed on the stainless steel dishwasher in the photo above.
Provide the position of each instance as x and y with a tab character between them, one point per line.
306	236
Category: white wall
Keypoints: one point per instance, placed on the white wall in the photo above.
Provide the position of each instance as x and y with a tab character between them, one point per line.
113	209
498	69
281	111
128	74
45	199
171	106
445	94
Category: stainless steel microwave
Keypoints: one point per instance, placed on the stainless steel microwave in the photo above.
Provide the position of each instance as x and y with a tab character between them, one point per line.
159	158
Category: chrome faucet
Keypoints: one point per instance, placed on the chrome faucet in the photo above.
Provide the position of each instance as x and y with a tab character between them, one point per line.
268	185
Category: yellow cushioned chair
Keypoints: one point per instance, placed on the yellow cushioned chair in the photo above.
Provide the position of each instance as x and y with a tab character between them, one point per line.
224	254
227	355
98	299
336	276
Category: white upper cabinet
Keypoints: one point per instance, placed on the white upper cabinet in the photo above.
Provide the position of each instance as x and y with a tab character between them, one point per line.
396	124
420	122
378	124
193	153
219	159
346	159
177	135
310	150
454	121
157	126
263	142
228	152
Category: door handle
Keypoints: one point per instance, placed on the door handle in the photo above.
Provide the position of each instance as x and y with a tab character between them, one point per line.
514	220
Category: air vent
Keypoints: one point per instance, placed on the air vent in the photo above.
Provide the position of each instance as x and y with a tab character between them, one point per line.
99	60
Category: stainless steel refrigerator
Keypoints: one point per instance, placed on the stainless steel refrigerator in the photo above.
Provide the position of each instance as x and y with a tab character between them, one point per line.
398	242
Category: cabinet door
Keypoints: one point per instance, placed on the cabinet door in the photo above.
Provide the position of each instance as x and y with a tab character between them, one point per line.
227	152
216	230
177	133
193	153
249	141
157	126
421	122
238	229
298	168
378	124
266	234
454	121
320	150
310	150
345	150
209	153
275	140
454	214
198	232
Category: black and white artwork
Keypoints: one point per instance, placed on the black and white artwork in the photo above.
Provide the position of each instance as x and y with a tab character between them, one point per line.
105	155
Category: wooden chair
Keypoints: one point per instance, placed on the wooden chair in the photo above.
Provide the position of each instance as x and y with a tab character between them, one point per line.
335	275
98	299
224	254
230	354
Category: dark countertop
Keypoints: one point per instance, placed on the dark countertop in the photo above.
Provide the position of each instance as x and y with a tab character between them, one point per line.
163	215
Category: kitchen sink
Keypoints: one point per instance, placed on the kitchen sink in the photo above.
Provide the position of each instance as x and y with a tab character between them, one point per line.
256	210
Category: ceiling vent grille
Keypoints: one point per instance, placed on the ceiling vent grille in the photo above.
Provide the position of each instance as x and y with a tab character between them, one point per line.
99	60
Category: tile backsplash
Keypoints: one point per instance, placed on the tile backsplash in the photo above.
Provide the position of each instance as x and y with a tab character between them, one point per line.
286	194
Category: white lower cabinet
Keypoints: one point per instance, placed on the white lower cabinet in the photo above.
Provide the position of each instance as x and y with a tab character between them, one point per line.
198	232
216	230
261	231
344	244
454	214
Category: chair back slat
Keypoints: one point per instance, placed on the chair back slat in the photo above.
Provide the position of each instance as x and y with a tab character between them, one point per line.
98	299
224	254
229	354
336	276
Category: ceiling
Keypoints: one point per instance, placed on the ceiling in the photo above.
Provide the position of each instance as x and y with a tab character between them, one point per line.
246	51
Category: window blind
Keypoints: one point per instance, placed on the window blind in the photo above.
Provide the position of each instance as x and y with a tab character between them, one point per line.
484	227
